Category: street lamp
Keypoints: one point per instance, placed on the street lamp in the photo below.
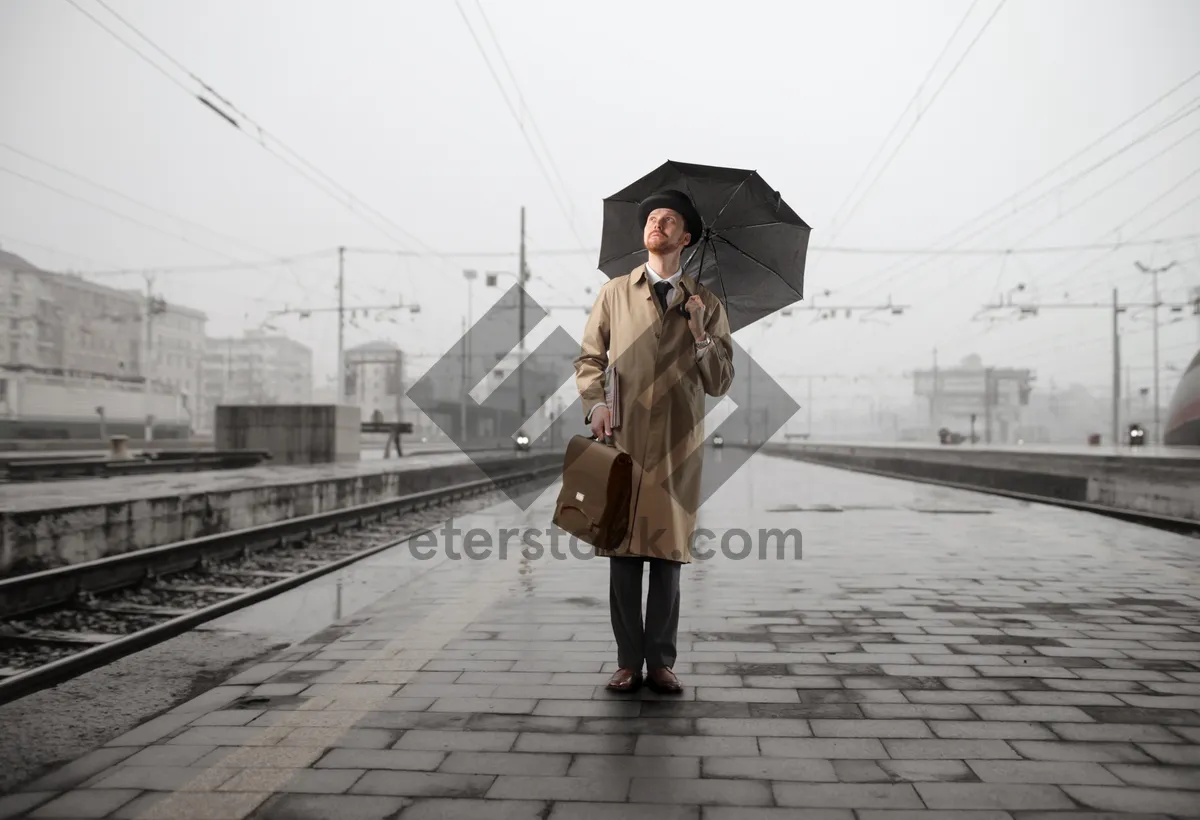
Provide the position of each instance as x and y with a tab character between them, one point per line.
470	276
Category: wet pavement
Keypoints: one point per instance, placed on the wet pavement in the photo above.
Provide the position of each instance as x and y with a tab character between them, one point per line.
40	495
931	653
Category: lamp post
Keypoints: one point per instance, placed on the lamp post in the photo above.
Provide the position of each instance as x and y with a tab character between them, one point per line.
470	276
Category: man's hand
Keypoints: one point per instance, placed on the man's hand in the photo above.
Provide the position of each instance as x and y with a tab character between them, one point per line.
601	422
695	309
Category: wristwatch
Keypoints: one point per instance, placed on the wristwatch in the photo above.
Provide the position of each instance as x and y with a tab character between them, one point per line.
703	343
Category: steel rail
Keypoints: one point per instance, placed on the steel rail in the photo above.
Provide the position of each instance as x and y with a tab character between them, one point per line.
111	573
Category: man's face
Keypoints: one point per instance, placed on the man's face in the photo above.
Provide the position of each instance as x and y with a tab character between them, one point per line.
665	231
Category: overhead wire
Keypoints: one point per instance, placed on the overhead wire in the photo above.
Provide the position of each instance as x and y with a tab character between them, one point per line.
873	281
274	259
350	199
520	123
999	206
924	109
835	225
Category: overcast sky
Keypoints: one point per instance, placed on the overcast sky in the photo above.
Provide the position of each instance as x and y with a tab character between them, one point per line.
394	102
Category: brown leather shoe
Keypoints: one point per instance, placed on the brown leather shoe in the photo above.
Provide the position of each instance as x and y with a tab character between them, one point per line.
664	682
625	680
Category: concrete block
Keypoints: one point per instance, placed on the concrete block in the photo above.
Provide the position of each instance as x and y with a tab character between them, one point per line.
292	433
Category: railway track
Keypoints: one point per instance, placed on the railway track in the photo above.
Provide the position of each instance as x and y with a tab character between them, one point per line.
58	624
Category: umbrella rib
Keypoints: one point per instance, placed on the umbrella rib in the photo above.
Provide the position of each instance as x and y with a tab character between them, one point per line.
720	278
732	195
760	264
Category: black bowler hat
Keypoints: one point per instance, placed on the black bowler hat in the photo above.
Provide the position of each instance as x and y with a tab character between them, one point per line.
679	202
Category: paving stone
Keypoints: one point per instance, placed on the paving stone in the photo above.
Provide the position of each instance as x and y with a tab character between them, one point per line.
636	811
83	768
1131	799
325	807
301	781
510	706
949	749
380	759
607	766
1094	752
509	763
1157	777
153	730
253	757
1171	753
769	768
435	740
324	737
708	791
1042	771
423	784
163	778
753	727
586	789
13	805
937	771
695	746
747	695
916	711
192	805
847	795
803	711
1002	729
1061	714
870	728
455	809
927	814
638	726
574	743
594	708
859	771
1066	699
1115	732
825	748
992	796
958	697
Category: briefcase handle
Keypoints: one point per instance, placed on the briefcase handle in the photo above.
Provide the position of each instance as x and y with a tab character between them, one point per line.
607	440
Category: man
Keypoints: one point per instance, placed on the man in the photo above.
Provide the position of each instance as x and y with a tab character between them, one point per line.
668	338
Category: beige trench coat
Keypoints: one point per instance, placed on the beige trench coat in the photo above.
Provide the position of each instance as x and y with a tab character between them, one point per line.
662	385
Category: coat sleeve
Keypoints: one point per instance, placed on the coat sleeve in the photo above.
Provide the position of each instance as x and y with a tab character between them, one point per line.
716	365
593	357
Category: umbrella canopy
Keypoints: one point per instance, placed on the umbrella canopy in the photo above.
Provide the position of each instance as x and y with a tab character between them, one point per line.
752	249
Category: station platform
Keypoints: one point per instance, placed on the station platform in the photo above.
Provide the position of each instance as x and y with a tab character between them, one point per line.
927	653
51	523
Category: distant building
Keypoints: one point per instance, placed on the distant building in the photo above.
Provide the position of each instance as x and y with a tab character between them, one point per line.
375	382
256	368
63	322
73	358
987	400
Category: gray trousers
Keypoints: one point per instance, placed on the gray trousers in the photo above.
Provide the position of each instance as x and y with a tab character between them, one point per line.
654	642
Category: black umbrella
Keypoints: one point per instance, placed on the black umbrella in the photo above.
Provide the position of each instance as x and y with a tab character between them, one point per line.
752	250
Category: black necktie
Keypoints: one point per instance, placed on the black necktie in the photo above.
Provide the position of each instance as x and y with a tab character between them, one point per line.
660	290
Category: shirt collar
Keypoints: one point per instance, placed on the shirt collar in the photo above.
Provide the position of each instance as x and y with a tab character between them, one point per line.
655	277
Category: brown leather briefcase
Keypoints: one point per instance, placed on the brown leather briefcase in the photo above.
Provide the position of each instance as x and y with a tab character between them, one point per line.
593	504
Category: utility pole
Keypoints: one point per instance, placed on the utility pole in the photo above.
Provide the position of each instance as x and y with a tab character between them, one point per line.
933	399
522	275
341	311
988	398
149	429
1116	374
1117	308
462	408
1154	272
810	381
